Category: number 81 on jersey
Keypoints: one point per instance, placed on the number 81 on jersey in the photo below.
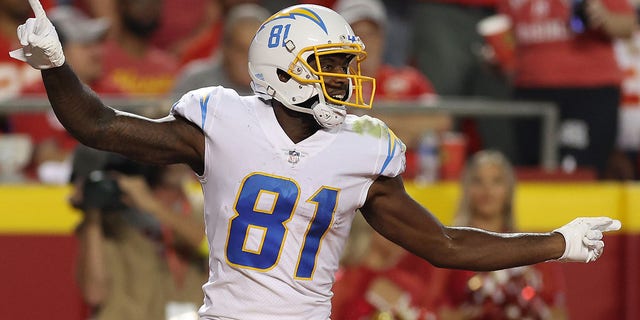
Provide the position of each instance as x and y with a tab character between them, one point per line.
271	223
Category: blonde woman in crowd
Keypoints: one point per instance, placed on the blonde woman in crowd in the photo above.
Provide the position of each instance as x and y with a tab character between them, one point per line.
532	292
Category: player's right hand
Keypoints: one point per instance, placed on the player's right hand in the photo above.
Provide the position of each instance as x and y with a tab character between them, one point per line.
41	47
583	238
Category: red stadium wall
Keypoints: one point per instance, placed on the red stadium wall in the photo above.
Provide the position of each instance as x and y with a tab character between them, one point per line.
605	290
38	250
37	278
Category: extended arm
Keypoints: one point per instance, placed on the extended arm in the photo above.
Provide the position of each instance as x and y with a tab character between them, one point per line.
394	214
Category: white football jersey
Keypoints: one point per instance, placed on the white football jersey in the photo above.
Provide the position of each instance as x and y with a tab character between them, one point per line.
278	213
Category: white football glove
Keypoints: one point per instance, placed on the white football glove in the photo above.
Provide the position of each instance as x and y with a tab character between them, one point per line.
41	47
583	238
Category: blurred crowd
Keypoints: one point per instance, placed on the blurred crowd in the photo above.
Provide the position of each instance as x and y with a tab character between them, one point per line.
583	56
580	55
380	280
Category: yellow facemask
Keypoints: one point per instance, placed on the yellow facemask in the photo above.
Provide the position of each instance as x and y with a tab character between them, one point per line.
359	83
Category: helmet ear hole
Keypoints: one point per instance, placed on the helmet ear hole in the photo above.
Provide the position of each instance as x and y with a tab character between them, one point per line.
283	75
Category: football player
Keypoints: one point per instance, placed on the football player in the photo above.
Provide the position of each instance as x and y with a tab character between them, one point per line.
284	171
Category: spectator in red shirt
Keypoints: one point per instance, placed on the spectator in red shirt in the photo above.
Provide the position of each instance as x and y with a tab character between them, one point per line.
378	279
177	28
208	42
531	292
131	62
570	61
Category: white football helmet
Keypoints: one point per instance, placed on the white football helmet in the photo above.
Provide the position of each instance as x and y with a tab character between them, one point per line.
285	42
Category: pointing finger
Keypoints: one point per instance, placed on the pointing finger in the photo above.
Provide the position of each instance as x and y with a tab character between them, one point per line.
612	225
615	225
36	6
604	224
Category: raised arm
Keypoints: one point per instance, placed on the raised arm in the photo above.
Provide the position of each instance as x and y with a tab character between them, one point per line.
395	215
84	115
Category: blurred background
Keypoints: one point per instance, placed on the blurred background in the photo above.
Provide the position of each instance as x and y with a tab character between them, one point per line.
551	86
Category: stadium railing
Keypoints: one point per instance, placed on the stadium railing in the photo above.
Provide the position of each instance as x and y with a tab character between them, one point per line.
453	106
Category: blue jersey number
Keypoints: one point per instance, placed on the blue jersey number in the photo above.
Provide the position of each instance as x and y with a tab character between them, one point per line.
263	207
276	37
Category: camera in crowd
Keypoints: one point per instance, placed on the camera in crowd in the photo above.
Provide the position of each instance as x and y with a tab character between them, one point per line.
97	172
101	191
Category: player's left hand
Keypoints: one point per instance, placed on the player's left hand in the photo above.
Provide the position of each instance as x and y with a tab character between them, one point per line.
583	238
41	47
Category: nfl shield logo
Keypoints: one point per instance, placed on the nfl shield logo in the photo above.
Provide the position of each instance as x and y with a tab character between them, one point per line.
294	156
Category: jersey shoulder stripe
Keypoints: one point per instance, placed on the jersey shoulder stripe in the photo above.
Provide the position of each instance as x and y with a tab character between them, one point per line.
393	142
200	105
390	157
